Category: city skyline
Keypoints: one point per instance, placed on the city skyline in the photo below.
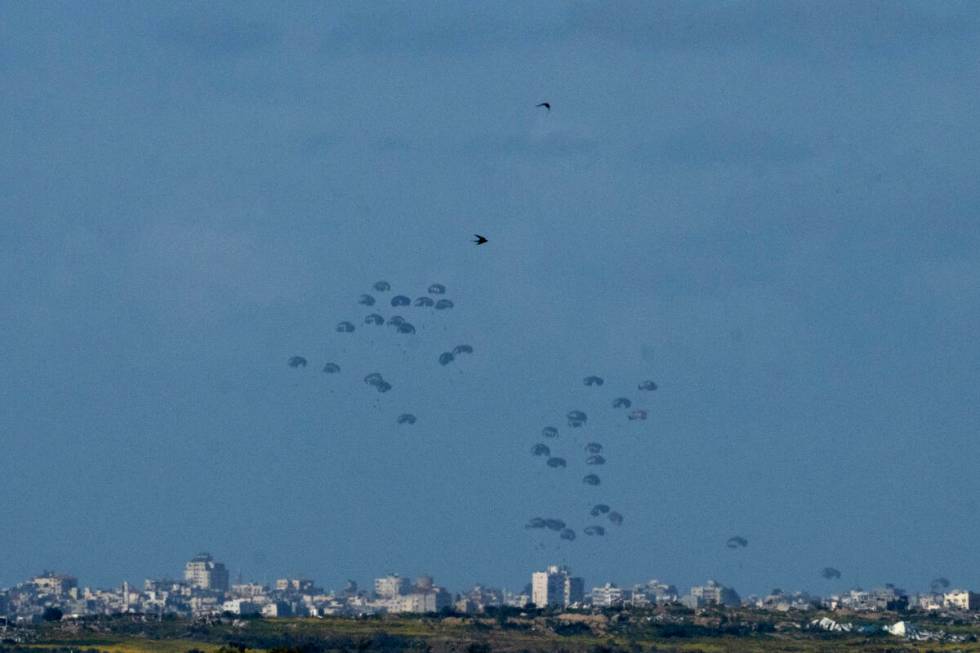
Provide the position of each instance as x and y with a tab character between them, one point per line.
752	223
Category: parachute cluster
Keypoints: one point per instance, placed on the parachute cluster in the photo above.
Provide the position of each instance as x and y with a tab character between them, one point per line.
592	456
434	299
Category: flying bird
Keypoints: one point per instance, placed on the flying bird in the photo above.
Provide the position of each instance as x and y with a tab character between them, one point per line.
546	105
480	239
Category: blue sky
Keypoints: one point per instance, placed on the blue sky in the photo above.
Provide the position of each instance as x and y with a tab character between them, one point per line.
769	208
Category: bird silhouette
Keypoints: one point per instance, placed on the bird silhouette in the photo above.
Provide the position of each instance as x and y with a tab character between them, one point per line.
546	105
479	239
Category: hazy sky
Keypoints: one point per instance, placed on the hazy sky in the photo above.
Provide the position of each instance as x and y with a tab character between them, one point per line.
769	208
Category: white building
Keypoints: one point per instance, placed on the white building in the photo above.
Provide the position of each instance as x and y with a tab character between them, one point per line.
608	596
203	572
391	586
961	600
555	587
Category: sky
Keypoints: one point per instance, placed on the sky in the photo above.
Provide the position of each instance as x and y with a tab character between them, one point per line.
769	208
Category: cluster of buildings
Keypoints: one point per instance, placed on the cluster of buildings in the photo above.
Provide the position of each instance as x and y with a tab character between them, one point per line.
206	590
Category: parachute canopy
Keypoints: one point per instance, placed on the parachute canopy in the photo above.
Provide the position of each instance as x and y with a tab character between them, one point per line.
345	327
396	320
595	530
443	304
366	300
297	361
567	534
616	518
541	450
647	386
425	302
375	319
593	447
549	432
556	462
591	479
576	418
406	418
437	289
382	286
446	357
736	541
830	572
599	509
405	327
331	368
593	380
638	414
595	460
621	402
400	300
536	522
462	349
554	524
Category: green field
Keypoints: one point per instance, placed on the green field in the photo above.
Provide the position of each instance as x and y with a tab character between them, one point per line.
568	633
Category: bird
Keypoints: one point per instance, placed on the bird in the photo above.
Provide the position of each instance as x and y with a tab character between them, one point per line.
479	239
546	105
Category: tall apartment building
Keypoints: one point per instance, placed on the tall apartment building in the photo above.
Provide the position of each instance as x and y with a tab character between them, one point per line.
555	587
202	572
391	586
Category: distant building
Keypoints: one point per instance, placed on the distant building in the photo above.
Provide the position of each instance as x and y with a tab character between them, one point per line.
202	572
961	600
49	583
711	594
608	596
555	587
433	600
391	586
299	585
654	591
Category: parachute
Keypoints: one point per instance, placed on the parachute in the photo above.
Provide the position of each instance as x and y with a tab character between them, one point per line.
736	541
556	462
599	509
591	479
331	368
567	534
443	304
405	327
593	380
595	460
616	518
437	289
549	432
382	286
647	386
541	450
621	402
374	378
297	361
829	572
638	414
406	418
554	524
375	319
383	387
536	522
400	300
462	349
366	300
345	327
446	357
396	320
595	530
576	418
426	302
593	447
